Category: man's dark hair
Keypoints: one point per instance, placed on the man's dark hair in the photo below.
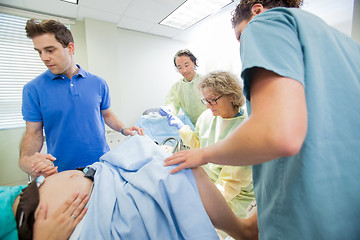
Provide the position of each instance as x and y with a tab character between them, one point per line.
62	34
185	52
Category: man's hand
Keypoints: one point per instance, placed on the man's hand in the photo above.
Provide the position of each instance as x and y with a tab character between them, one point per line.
187	159
131	131
41	164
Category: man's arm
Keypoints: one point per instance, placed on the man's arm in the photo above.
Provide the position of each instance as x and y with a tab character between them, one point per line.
172	99
31	160
114	123
276	127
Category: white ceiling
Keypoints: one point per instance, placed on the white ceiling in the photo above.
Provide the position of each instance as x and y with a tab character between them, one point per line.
144	15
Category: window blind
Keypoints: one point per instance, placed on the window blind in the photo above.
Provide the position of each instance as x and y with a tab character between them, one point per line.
19	63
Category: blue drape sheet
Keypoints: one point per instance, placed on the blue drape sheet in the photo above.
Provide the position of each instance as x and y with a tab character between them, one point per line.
135	197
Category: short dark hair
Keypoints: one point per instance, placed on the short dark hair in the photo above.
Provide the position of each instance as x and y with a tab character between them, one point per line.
243	10
185	52
62	34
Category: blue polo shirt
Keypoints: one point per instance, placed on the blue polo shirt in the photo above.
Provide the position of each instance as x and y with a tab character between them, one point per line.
70	110
314	194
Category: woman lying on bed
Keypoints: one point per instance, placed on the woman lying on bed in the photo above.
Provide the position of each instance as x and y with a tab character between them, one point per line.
132	196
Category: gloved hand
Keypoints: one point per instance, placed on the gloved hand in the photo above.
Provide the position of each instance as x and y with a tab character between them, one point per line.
164	111
172	119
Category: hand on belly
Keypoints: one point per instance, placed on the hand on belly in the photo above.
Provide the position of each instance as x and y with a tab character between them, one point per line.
57	188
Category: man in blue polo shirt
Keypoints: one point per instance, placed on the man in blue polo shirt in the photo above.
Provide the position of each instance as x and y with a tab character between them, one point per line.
69	103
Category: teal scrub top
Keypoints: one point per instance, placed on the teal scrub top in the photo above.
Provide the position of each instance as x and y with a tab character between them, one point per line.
314	194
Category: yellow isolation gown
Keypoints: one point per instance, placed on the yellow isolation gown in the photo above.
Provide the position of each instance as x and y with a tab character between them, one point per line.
235	183
187	96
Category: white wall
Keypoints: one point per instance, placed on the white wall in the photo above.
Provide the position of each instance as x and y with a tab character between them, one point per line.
147	70
214	43
355	34
138	67
80	56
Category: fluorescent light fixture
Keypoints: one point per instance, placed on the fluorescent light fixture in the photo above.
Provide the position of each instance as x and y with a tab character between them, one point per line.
71	1
193	11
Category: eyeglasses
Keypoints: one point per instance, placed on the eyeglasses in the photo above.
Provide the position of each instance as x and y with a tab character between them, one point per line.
210	101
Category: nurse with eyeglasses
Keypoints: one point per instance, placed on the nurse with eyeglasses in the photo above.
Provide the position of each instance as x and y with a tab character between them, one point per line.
212	101
223	97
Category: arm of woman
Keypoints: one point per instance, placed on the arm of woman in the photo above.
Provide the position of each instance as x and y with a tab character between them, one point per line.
232	180
220	213
189	137
63	222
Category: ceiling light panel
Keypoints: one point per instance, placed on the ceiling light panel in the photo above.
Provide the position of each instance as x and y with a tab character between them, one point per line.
193	11
71	1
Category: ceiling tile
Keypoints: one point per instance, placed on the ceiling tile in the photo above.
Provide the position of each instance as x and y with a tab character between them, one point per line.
165	31
85	12
17	4
110	6
150	11
135	24
144	15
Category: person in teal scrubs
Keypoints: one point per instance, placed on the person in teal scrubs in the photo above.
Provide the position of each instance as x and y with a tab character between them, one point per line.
184	94
223	96
302	82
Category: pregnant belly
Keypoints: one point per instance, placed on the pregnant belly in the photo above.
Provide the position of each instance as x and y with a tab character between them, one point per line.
57	188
